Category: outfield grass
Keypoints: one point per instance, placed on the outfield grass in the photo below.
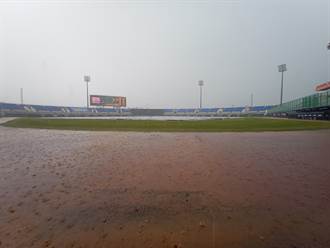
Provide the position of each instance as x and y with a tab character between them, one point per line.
226	125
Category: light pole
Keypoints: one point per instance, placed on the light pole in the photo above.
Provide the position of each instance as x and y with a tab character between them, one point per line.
87	79
251	100
282	69
22	101
200	84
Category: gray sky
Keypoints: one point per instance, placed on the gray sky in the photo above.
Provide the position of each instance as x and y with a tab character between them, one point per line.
154	52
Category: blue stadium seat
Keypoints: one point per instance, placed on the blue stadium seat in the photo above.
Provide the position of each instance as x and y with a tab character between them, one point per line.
41	108
11	106
260	108
209	110
234	109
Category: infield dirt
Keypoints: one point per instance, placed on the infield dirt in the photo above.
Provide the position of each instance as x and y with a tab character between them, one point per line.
108	189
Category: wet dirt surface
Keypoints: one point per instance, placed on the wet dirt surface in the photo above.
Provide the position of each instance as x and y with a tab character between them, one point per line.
107	189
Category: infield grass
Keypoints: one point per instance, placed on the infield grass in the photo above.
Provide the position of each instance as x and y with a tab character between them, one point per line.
225	125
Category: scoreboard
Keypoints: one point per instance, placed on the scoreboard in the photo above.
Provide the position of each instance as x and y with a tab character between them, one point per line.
107	101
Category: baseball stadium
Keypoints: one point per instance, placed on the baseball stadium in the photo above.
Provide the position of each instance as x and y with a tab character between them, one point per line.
186	169
208	177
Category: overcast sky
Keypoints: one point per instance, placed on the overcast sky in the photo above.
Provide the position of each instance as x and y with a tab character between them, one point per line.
154	52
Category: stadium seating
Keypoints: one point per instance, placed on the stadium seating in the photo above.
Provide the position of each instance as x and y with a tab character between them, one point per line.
41	108
11	106
45	110
208	110
234	109
260	108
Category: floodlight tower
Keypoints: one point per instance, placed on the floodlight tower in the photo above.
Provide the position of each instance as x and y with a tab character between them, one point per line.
328	47
282	69
87	79
22	101
200	84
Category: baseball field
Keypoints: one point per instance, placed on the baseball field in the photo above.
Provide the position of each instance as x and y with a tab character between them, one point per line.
64	188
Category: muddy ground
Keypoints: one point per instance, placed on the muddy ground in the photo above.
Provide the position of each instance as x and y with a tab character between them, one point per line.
107	189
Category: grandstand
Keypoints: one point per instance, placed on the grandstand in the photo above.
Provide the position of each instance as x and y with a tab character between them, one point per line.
315	106
11	109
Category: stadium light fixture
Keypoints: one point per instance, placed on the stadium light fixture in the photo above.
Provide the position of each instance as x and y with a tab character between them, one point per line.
328	46
200	84
87	79
282	68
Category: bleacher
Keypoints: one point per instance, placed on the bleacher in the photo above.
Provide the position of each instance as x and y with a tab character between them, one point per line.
208	110
261	108
40	108
185	111
11	109
233	109
11	106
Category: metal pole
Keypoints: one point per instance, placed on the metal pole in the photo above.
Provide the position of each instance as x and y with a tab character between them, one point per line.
282	88
87	96
200	83
22	96
200	97
252	100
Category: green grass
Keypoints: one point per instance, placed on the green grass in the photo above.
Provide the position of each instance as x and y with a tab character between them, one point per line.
227	125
